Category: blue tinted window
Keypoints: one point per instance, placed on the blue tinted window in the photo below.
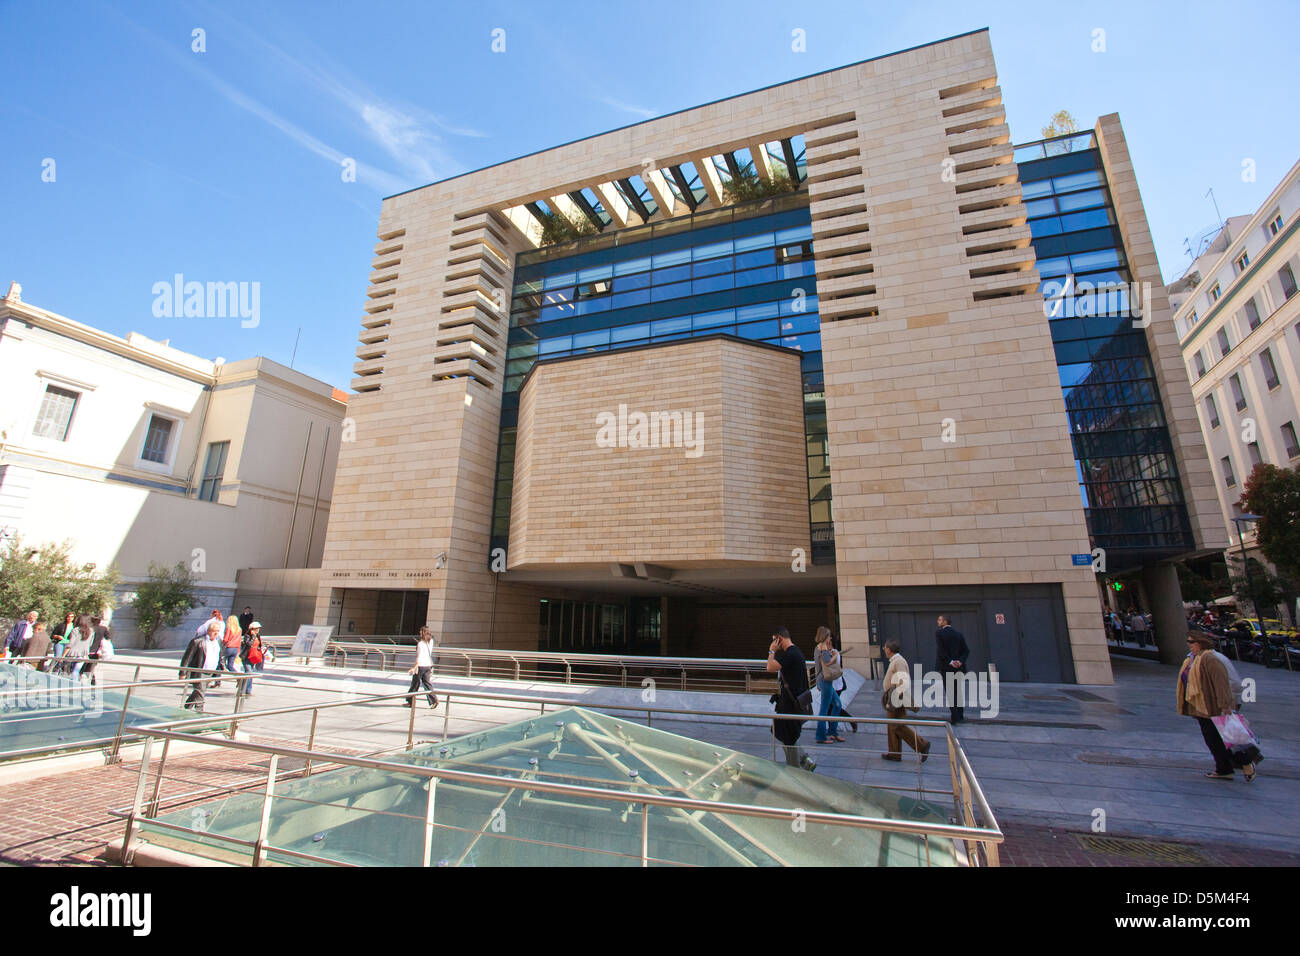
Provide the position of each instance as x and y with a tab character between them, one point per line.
1044	227
796	270
674	291
759	330
1101	259
749	260
1092	219
1053	267
762	240
799	305
674	258
595	273
632	265
664	326
796	324
756	276
561	343
560	280
712	250
1082	180
804	343
624	300
762	310
587	339
711	267
627	333
797	234
1042	187
1094	197
1040	207
675	274
713	283
639	281
708	320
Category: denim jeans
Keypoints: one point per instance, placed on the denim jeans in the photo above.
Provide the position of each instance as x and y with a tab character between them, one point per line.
830	707
227	661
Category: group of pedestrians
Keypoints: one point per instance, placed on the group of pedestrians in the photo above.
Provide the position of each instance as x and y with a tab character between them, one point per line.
793	695
232	644
72	648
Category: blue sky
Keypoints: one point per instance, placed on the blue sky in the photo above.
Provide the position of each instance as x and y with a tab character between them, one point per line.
225	165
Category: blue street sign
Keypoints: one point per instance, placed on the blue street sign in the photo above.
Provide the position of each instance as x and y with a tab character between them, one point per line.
1080	560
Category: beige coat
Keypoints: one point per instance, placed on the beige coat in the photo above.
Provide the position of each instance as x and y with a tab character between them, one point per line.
1204	689
896	676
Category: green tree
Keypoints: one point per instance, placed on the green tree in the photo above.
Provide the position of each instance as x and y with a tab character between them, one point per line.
1062	124
748	185
557	228
45	579
163	598
1265	591
1273	493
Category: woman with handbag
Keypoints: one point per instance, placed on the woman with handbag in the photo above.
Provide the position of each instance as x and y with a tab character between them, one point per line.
828	670
1205	692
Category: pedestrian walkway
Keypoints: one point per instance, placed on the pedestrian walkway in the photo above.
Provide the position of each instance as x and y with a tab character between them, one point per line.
1091	763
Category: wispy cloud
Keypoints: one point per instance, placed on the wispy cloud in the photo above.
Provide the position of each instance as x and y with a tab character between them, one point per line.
366	174
412	136
635	110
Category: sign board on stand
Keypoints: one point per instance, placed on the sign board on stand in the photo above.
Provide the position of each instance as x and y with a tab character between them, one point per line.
311	640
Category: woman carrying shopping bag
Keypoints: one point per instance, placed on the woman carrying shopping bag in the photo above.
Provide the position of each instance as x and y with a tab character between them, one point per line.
1204	692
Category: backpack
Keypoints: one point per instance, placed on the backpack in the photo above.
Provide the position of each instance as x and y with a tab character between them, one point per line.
254	654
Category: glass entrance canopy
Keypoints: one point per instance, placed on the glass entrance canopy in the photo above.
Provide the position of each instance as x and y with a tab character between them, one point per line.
364	816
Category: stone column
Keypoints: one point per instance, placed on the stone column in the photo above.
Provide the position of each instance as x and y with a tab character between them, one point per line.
1167	616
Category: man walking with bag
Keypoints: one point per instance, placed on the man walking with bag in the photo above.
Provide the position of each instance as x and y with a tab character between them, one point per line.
897	698
1205	692
792	695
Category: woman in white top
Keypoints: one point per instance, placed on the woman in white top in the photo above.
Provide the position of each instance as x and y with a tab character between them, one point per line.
422	672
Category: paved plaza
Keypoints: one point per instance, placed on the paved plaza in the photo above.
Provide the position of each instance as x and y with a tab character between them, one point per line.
1053	757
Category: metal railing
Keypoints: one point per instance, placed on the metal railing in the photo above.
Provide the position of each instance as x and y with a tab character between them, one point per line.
974	825
388	652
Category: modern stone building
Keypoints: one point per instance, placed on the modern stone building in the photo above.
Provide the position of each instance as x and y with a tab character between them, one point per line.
1238	318
781	358
137	452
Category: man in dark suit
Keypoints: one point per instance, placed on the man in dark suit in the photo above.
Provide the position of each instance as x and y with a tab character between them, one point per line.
246	619
952	653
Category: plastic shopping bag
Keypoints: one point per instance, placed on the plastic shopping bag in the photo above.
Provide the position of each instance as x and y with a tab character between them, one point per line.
1235	731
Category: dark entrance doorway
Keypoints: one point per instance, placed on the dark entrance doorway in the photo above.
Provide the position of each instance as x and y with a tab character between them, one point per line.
1020	628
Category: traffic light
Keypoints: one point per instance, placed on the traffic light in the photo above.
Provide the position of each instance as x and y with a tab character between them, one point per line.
1117	585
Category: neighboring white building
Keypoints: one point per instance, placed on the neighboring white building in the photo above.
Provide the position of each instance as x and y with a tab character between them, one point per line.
1238	319
138	452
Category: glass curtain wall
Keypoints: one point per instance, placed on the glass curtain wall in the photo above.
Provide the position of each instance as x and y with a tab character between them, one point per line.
1127	474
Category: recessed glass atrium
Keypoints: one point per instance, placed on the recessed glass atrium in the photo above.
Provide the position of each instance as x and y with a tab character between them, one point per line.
746	270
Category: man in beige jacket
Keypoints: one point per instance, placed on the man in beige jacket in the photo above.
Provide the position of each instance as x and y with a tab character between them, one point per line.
897	697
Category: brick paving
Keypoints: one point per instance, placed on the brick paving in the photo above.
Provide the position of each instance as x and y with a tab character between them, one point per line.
1028	845
66	819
